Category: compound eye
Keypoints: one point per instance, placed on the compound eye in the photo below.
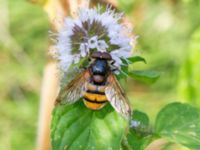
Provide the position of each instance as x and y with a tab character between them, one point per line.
96	55
106	56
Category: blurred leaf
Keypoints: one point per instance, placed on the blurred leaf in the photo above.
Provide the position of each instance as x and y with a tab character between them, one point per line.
126	5
139	135
136	59
145	76
180	123
76	127
41	2
189	76
24	28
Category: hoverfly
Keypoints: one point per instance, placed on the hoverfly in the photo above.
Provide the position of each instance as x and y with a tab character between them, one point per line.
97	85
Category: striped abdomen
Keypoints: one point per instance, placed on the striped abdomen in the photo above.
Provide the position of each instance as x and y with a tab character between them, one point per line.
94	96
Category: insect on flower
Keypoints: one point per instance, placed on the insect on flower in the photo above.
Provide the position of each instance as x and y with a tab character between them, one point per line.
99	37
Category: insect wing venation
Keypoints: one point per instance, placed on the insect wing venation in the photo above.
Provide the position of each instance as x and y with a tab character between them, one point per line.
117	97
73	91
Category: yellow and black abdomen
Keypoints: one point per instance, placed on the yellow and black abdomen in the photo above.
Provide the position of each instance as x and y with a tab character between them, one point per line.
94	96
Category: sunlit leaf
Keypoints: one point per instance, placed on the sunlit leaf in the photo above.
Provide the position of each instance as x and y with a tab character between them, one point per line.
180	123
188	87
145	76
76	127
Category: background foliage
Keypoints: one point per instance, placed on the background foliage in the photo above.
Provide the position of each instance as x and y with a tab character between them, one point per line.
169	41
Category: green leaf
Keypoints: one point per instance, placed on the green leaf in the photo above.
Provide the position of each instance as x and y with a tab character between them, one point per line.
180	123
140	117
124	72
140	134
75	127
145	76
136	59
137	142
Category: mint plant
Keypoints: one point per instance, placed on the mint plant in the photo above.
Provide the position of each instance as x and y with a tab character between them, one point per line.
75	127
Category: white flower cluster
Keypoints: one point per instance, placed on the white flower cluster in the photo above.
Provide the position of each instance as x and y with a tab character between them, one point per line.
109	21
92	43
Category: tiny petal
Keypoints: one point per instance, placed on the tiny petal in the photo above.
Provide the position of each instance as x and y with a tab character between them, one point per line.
93	42
115	40
117	59
101	45
84	49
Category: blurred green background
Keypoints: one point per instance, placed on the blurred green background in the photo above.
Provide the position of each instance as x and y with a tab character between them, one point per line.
169	39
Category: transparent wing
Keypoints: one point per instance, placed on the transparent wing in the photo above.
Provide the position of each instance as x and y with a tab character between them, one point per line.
73	91
116	97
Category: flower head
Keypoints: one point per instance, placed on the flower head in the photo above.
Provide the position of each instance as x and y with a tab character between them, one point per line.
93	30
